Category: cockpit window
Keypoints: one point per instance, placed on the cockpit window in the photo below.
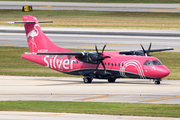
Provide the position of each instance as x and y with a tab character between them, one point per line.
148	62
152	62
157	62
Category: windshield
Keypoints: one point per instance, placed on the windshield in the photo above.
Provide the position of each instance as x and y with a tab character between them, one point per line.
152	62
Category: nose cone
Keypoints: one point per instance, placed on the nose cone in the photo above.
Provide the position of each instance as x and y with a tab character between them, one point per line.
163	71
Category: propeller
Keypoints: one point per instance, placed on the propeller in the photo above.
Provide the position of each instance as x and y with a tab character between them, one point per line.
146	53
100	58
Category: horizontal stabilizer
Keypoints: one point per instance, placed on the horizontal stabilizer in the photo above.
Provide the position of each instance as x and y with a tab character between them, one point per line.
61	53
30	22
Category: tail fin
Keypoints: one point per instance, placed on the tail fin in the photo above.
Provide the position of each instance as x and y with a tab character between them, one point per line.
37	40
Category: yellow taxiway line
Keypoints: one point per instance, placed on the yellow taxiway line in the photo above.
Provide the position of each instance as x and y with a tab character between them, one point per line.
164	10
96	97
161	99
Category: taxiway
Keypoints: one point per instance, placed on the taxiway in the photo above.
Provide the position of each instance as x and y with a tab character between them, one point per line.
130	7
81	38
73	89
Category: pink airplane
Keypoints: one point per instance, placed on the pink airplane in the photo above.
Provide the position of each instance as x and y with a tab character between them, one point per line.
108	65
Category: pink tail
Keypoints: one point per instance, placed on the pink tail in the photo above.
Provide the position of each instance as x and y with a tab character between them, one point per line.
37	40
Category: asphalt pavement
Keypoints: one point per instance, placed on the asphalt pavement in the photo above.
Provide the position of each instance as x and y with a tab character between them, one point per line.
128	7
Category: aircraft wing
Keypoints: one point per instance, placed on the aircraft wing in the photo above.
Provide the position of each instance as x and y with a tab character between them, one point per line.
141	53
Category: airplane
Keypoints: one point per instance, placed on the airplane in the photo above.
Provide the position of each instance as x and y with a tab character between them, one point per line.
108	65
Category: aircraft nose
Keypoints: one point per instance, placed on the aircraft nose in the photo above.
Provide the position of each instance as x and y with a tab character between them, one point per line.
164	72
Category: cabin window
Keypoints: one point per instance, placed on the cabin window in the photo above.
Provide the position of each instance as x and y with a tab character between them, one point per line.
115	64
122	64
73	62
86	63
111	64
76	62
83	63
108	64
79	62
104	63
118	64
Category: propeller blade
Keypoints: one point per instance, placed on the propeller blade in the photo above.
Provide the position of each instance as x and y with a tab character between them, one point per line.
96	48
149	48
103	67
97	67
104	48
143	49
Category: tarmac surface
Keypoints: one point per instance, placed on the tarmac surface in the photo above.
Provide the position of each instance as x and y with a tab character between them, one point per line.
130	7
14	115
15	88
74	89
117	39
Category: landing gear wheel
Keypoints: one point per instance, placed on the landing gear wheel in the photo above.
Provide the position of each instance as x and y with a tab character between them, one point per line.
87	80
111	80
157	82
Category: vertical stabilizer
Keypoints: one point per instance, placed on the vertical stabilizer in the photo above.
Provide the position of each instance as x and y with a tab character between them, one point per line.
37	40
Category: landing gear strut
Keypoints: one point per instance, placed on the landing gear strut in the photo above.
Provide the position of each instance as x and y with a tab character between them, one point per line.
157	81
87	79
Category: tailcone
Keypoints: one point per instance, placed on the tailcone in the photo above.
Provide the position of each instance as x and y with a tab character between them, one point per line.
34	58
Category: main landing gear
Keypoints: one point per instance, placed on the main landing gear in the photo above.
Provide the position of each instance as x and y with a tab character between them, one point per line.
157	81
87	79
111	80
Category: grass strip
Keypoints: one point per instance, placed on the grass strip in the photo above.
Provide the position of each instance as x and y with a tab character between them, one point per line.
97	19
131	109
13	64
107	1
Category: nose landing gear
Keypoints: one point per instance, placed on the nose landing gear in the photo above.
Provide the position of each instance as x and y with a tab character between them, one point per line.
157	81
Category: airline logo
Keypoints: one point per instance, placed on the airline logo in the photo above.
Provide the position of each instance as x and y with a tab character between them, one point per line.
136	64
60	64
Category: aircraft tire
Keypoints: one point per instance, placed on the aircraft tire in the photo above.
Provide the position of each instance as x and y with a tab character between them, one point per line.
87	80
157	82
111	80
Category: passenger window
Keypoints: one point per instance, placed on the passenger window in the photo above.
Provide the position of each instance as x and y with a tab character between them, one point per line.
115	64
76	62
111	64
108	64
118	64
122	64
